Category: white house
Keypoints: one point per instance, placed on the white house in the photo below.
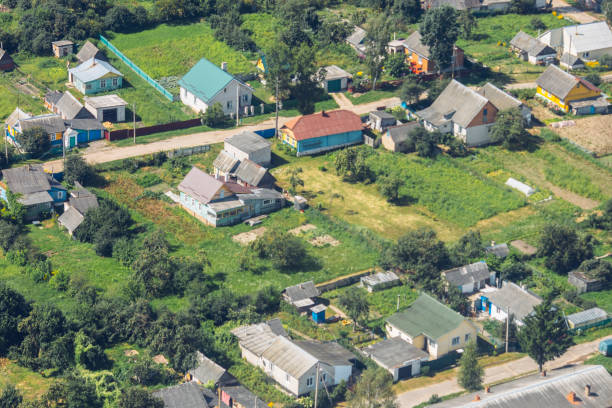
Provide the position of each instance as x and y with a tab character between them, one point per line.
470	278
586	41
206	84
249	145
511	297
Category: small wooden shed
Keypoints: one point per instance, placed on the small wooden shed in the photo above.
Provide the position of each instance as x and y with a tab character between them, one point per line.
62	48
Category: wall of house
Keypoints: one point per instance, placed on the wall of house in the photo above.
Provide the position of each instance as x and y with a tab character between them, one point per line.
443	344
284	379
541	59
226	97
250	357
475	135
198	209
418	341
34	212
389	144
324	143
422	63
257	207
98	113
579	92
263	157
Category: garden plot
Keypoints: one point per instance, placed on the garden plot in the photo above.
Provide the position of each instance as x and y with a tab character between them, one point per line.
323	240
246	238
593	133
302	229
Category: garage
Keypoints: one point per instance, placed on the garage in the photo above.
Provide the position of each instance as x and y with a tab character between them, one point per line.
404	372
109	115
396	355
336	79
106	108
335	85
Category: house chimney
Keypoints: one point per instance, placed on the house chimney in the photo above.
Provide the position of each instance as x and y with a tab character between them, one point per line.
476	398
571	397
487	390
587	390
224	66
324	114
492	243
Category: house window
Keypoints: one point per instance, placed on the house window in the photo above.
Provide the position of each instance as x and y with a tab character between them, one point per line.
585	54
287	377
455	341
267	202
87	86
115	81
245	98
221	193
224	90
309	381
324	377
103	83
467	337
229	104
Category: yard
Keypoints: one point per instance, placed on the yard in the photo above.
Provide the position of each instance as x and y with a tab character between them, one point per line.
594	133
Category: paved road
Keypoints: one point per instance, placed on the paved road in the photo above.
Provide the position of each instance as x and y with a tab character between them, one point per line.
110	152
523	366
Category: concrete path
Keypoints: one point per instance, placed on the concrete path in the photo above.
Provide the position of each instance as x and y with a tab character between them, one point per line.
111	152
342	100
495	374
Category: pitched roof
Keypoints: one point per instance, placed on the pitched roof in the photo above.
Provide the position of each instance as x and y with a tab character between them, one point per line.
93	69
330	353
520	301
27	179
381	114
207	370
248	142
426	316
588	37
457	103
88	51
499	250
571	60
71	108
324	124
39	197
51	123
52	97
243	396
186	395
253	174
16	116
104	101
587	316
335	72
85	124
301	291
456	4
500	99
289	357
380	277
71	219
4	56
467	274
225	163
61	43
205	80
414	44
560	83
357	36
530	45
83	200
200	185
394	352
535	391
400	133
257	337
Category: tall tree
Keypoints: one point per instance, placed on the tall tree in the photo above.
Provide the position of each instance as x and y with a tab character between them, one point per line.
356	305
138	398
153	266
470	372
307	78
468	248
563	248
417	248
409	10
278	72
544	335
10	397
376	47
373	390
34	141
467	23
411	91
439	31
509	129
77	169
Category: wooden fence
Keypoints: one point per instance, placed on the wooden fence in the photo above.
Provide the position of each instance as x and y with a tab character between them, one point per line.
149	130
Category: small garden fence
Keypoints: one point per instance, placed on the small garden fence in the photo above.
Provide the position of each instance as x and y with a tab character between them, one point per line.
188	151
148	130
137	69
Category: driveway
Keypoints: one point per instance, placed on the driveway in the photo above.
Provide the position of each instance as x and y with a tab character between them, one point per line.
573	13
109	152
495	374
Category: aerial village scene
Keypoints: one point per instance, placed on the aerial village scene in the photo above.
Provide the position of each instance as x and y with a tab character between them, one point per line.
306	203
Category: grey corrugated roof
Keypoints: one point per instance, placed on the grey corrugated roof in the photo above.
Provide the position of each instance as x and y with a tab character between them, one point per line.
248	142
400	133
536	391
289	357
261	194
600	102
357	36
93	69
394	352
16	116
225	163
61	43
85	124
27	179
243	396
258	337
200	185
318	308
520	301
589	37
499	250
500	99
71	219
186	395
467	274
330	353
50	123
39	197
571	60
71	108
301	291
457	103
104	101
380	277
253	174
456	4
335	72
588	315
207	370
83	203
414	44
530	45
53	96
382	114
556	81
88	51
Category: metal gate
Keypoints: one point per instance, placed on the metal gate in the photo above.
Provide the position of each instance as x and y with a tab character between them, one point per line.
404	372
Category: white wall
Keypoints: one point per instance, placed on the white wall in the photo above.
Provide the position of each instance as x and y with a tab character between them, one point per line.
263	157
392	331
228	94
478	135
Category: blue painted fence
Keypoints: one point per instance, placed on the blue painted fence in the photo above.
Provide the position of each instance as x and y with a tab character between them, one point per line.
266	133
136	69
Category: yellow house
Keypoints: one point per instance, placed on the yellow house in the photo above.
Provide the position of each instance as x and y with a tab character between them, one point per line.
431	326
565	90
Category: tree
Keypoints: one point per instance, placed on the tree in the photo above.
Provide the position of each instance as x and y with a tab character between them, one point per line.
278	71
8	233
411	91
285	250
294	179
356	305
102	226
307	77
77	169
119	19
351	164
563	248
373	390
439	31
512	332
72	392
214	116
544	335
594	78
153	266
467	24
138	398
376	48
598	269
396	65
468	248
418	248
410	10
10	397
537	24
13	308
522	6
470	372
436	88
606	9
509	129
389	187
34	141
514	271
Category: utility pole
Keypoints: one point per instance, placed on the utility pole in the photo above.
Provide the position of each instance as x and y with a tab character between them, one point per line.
134	119
276	101
238	105
316	386
398	298
507	327
6	144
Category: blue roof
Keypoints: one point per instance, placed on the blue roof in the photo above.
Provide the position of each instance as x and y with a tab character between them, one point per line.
205	80
93	69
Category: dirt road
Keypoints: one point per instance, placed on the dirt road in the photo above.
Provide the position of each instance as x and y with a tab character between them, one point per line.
495	374
573	13
111	153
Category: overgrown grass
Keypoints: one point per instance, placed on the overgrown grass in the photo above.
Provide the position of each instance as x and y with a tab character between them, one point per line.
601	360
564	175
31	385
602	298
171	50
264	28
11	96
371	96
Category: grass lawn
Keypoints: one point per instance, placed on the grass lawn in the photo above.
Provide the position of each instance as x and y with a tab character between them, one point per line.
264	28
603	299
601	360
31	385
501	29
11	96
371	96
171	50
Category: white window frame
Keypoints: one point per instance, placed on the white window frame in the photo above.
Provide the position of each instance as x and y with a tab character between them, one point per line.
115	81
455	340
103	83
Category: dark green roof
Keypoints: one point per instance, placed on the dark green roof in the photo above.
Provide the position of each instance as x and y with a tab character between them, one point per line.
205	80
426	316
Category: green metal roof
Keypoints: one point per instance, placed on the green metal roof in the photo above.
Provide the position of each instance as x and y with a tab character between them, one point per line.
205	80
426	316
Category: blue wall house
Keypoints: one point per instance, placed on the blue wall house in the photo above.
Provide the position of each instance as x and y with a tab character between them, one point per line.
20	121
219	203
81	131
94	76
319	132
38	191
318	314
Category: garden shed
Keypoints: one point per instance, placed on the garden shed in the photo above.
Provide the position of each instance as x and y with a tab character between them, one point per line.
62	48
336	79
318	314
380	120
379	281
522	187
588	318
584	282
400	358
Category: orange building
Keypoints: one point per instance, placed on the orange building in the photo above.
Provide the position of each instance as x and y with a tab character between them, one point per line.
419	58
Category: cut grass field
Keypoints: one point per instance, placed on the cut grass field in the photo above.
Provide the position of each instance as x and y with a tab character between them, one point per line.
603	299
501	29
11	97
171	50
31	385
601	360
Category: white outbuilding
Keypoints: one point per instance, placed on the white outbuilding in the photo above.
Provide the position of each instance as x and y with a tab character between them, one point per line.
520	186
